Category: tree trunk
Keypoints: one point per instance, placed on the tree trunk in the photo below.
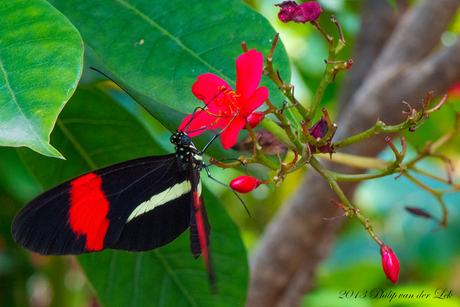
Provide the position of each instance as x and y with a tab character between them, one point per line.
397	57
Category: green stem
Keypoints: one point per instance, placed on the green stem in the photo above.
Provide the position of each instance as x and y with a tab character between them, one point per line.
259	155
266	162
327	174
390	169
456	186
278	132
304	159
325	80
376	129
332	178
438	194
355	161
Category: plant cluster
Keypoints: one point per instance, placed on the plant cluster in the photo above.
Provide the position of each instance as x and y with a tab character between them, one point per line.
233	111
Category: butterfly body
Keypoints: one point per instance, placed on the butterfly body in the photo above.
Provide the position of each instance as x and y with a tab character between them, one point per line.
137	205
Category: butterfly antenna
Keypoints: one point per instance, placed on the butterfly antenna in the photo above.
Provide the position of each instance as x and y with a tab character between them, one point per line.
220	132
121	87
227	186
202	109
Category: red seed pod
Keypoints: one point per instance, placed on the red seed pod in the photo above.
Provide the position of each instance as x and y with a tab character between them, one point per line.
255	118
390	263
245	184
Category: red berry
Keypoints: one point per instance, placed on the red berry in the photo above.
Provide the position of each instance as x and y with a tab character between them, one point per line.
245	184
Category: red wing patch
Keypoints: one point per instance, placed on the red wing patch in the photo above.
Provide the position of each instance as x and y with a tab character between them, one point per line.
203	237
88	210
200	226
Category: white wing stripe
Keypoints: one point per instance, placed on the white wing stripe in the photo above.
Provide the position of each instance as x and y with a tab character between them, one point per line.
162	198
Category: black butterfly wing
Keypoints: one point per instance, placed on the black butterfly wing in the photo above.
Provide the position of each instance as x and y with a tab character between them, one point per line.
200	229
136	205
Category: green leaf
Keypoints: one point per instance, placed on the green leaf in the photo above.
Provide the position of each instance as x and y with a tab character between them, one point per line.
94	131
160	47
170	276
169	116
41	57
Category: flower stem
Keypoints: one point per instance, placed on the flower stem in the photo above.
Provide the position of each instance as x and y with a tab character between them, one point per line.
278	132
378	128
332	178
438	194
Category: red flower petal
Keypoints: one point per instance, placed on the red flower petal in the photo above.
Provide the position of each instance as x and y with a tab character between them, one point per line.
248	73
254	101
230	134
201	121
184	122
207	87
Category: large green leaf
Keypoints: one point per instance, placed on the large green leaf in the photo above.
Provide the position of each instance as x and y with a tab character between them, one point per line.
41	57
170	276
167	115
94	131
160	47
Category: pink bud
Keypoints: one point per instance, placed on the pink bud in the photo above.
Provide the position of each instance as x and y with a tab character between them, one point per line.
304	12
245	184
255	118
390	263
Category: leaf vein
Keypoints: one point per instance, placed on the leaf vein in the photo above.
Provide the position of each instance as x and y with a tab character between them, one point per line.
165	32
7	83
76	144
175	278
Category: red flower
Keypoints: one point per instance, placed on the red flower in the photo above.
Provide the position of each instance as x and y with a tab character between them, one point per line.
229	109
390	263
255	118
304	12
245	184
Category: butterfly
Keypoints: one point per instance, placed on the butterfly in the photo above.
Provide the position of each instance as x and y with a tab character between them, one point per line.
137	205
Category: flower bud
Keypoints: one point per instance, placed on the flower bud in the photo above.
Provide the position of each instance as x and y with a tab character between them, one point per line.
244	184
304	12
318	131
255	118
390	263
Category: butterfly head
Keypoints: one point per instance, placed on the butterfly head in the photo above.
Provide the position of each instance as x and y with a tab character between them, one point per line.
185	149
181	139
